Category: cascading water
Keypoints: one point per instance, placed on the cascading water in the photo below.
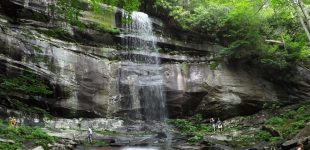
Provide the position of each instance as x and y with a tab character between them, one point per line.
141	72
142	81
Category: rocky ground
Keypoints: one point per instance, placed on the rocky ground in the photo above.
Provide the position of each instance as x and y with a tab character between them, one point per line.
263	130
273	128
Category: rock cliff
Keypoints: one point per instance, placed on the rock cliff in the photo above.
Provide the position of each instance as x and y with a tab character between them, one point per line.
84	69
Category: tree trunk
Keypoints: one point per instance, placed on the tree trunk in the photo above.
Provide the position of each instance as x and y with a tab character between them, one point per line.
302	16
305	13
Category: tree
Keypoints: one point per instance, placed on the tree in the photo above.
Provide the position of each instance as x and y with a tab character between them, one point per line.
267	32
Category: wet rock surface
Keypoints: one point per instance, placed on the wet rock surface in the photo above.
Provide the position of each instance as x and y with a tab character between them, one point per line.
84	124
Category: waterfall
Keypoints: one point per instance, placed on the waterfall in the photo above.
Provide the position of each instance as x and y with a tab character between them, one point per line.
140	72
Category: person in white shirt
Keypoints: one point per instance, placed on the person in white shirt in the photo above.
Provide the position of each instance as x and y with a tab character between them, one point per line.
90	135
212	121
219	124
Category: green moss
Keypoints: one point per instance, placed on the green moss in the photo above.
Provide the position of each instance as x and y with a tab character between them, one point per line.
27	84
28	34
185	69
38	59
100	143
214	65
29	110
107	132
97	143
59	33
37	48
103	21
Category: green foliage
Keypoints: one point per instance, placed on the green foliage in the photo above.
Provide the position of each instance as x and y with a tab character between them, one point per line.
196	138
40	137
265	32
70	9
28	84
194	129
23	134
266	136
8	146
263	135
183	125
275	120
290	123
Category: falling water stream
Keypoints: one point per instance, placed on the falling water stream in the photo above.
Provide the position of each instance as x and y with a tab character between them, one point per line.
142	72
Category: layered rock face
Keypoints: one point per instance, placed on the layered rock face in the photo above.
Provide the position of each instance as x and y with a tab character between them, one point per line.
84	69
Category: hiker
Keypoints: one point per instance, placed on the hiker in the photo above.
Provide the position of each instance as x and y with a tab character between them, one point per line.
212	121
13	122
90	135
219	124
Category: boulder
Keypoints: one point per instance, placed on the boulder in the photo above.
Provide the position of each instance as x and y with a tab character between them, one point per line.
38	148
7	141
188	147
294	142
216	139
305	132
217	147
161	135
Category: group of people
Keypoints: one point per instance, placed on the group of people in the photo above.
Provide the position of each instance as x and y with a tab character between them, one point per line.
216	124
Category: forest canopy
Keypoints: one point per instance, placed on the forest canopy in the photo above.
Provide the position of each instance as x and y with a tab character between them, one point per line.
268	32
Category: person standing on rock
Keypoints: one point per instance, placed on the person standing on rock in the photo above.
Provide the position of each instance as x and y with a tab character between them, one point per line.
219	124
90	135
212	121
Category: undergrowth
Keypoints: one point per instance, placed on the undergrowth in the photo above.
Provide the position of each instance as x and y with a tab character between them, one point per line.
193	128
23	134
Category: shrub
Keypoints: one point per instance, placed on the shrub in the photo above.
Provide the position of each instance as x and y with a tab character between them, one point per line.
192	128
275	121
22	134
263	135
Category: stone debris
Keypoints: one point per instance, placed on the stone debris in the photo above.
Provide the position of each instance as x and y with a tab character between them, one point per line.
7	141
38	148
